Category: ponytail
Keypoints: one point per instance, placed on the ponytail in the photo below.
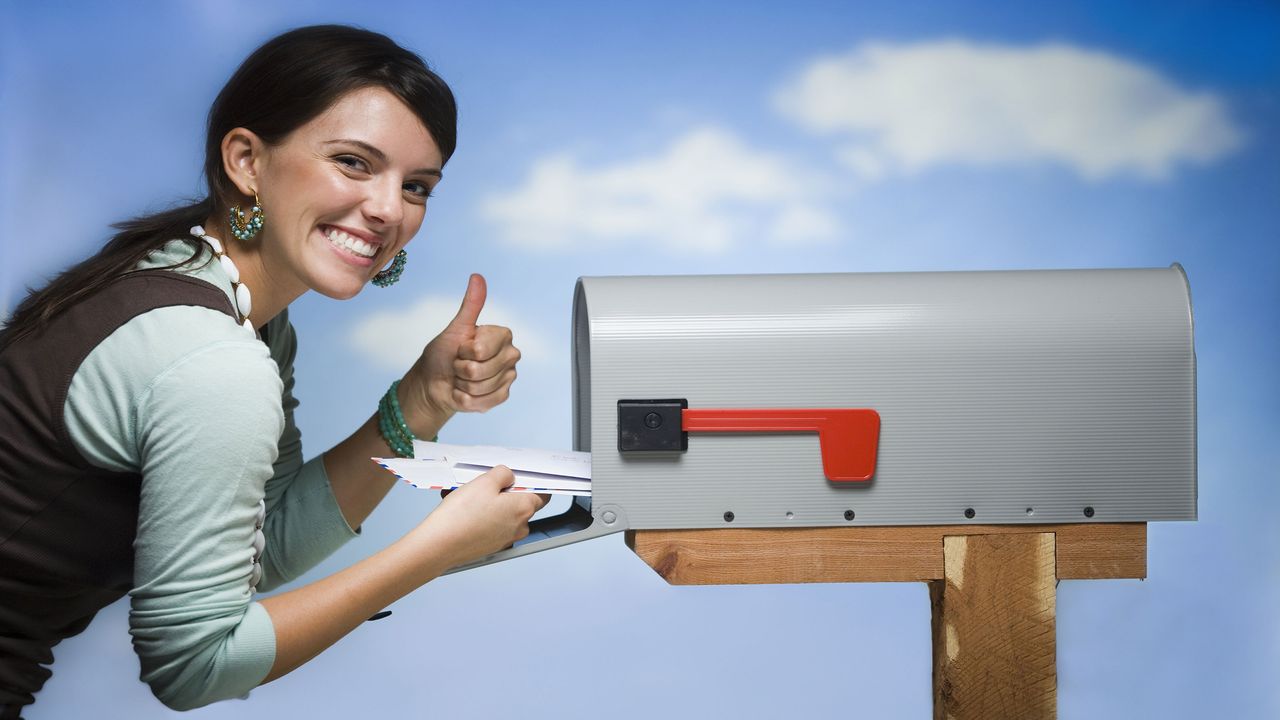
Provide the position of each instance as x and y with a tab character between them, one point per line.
137	238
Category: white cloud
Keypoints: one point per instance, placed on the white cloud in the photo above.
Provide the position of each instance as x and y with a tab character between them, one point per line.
704	193
393	339
904	108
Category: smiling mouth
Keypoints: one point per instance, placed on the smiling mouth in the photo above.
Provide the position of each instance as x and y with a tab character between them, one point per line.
354	245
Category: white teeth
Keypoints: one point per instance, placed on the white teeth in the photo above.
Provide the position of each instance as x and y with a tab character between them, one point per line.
355	245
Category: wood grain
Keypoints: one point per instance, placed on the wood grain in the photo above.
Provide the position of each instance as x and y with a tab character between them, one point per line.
994	628
870	554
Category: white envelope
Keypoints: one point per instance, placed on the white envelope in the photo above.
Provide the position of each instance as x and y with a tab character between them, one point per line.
440	466
566	463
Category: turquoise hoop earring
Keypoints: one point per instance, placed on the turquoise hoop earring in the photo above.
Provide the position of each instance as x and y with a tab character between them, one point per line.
388	277
244	230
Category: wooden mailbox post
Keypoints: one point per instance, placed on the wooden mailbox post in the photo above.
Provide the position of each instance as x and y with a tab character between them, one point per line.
992	590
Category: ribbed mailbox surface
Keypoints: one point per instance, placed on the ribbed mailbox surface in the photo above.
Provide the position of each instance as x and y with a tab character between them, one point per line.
1023	396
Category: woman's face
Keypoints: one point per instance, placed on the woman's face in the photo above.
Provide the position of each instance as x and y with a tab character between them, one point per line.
345	192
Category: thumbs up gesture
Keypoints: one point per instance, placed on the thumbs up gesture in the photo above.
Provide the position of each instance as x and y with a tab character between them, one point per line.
467	367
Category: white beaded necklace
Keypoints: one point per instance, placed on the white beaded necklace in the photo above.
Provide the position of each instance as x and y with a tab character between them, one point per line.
244	301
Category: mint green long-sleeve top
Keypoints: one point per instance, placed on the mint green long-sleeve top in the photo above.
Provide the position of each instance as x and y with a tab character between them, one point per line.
203	410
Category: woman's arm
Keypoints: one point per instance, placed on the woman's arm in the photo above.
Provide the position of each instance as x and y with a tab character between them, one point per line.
471	522
465	368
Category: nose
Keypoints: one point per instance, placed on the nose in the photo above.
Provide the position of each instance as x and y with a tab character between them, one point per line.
384	204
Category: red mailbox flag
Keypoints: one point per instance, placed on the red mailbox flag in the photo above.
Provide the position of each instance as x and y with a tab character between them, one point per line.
847	437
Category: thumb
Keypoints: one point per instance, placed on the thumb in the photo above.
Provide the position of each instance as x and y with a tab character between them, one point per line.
472	303
499	478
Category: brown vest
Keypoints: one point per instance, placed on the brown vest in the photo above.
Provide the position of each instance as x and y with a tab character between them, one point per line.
66	527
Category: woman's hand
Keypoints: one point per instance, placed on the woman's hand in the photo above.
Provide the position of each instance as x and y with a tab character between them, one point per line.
467	368
478	518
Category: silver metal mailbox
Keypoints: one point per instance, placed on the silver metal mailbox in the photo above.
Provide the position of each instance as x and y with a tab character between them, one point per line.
1001	397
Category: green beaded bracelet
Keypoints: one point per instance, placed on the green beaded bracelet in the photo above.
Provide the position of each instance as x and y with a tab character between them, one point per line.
392	426
393	398
393	439
395	431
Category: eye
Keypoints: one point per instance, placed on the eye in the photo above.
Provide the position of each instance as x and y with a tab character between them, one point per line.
352	162
418	190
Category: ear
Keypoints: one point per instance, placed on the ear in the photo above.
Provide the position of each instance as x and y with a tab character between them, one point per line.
243	154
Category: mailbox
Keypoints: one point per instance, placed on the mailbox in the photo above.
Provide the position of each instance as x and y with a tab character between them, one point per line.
775	401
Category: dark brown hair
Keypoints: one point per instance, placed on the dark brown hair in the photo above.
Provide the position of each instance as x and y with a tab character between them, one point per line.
283	85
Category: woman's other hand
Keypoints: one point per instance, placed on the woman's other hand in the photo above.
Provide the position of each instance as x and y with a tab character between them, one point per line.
467	367
479	518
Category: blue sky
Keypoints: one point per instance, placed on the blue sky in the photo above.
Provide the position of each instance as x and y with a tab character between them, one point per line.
705	138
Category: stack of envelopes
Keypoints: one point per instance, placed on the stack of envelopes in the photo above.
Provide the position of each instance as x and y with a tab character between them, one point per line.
440	466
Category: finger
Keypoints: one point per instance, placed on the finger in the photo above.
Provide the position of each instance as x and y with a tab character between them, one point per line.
472	303
485	387
545	499
488	342
473	403
493	367
535	503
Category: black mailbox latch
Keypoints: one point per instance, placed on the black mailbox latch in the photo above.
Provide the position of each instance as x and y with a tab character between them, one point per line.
651	425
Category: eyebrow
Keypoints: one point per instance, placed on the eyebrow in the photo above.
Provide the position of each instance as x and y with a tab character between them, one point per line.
381	156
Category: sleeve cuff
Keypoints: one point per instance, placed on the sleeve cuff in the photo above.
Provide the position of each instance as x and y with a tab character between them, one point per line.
241	663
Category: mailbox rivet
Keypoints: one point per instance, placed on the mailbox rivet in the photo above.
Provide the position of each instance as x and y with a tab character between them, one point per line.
652	420
609	517
728	516
969	513
848	514
1088	511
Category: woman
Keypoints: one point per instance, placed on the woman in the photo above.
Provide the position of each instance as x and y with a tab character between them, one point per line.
147	443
